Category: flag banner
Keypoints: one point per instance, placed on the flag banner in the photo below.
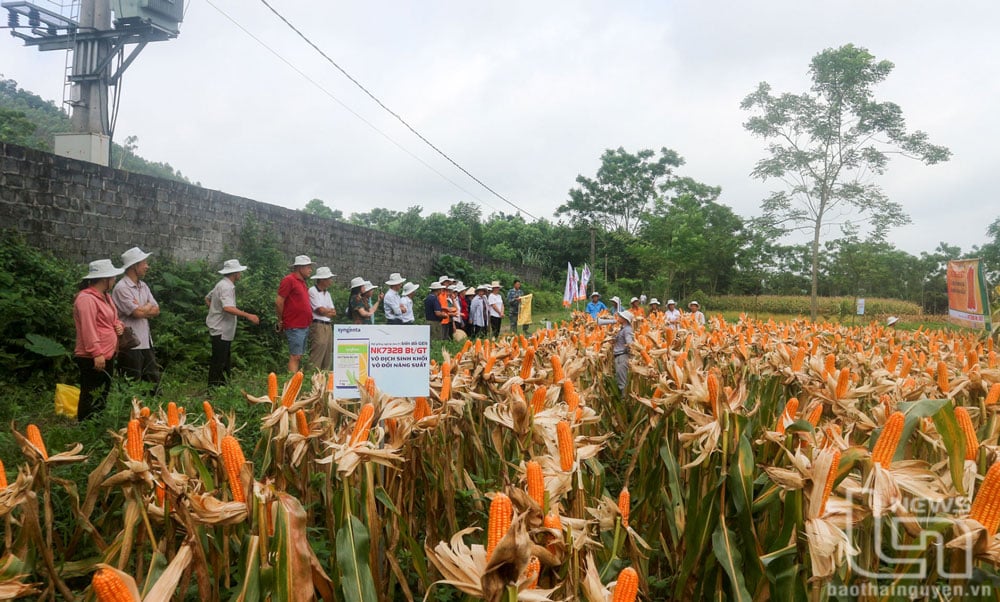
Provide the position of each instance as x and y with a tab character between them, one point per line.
584	281
524	314
570	291
577	291
968	304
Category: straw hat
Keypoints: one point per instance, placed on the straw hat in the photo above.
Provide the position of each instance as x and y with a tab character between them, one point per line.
133	256
395	279
102	268
230	266
323	273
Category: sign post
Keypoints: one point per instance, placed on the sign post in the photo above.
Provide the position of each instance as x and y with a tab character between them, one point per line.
397	357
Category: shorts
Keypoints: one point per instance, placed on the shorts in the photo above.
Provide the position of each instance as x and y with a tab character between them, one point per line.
296	340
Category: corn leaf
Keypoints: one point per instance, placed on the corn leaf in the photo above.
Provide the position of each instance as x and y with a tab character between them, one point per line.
726	551
954	441
292	568
352	560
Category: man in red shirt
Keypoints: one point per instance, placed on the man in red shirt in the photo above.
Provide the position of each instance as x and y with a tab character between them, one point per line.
294	310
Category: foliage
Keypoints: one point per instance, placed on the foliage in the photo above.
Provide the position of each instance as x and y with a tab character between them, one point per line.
827	145
318	208
800	305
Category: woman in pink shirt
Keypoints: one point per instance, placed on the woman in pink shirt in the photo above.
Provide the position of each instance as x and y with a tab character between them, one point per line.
97	330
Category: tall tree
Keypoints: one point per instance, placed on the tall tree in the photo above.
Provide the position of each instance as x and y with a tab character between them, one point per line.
320	209
827	145
625	188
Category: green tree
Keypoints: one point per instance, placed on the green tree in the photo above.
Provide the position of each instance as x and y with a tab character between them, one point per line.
828	144
16	128
624	190
318	208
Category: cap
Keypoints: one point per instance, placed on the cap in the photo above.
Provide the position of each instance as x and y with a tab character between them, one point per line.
132	257
230	266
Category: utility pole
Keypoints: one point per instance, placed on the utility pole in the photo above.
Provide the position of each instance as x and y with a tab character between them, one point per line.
95	40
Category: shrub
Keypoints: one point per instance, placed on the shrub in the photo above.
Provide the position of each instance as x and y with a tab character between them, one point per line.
799	305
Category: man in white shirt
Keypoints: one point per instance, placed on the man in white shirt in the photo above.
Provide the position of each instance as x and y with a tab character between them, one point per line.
221	320
695	308
495	304
392	302
136	305
321	329
478	316
672	315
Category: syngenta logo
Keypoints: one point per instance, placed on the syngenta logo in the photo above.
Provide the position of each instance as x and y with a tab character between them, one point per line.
909	542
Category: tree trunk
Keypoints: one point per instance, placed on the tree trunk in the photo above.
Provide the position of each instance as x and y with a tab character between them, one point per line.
813	301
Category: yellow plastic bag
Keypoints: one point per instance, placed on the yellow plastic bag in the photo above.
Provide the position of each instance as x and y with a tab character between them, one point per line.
67	398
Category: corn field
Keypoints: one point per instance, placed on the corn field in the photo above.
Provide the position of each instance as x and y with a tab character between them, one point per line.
747	461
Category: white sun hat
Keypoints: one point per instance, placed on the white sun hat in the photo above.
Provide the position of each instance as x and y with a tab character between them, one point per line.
357	281
654	301
695	303
367	286
301	260
436	285
627	315
133	256
671	302
633	300
395	279
323	273
892	320
409	287
230	266
102	268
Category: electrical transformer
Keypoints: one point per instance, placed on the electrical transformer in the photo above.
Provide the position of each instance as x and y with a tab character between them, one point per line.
162	14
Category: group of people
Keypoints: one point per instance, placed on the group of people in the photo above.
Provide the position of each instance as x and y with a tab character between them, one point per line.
472	311
671	315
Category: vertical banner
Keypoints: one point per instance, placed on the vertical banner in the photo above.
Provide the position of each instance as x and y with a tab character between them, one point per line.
397	357
968	303
524	314
569	293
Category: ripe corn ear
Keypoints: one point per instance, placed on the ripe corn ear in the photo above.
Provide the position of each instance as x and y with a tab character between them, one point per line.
446	381
536	483
173	414
971	440
557	369
986	505
109	587
538	399
526	365
788	415
133	440
624	501
3	476
272	387
421	409
532	571
942	377
567	451
233	461
302	423
35	437
815	415
888	441
628	586
292	390
994	395
501	515
843	382
831	476
570	395
363	424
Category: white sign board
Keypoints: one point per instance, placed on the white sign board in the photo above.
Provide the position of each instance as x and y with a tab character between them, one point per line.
397	357
861	307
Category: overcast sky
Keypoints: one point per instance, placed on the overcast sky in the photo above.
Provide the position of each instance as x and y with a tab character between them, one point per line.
527	95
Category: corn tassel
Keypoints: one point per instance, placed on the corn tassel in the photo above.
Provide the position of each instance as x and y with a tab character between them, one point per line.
830	478
272	387
133	441
888	441
302	423
109	587
501	515
363	424
986	506
292	390
971	440
567	451
233	461
35	437
173	414
628	586
536	482
624	501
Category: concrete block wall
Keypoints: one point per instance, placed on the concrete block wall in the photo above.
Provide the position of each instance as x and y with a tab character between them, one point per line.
83	211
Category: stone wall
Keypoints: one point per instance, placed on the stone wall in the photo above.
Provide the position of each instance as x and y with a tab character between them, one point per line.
83	211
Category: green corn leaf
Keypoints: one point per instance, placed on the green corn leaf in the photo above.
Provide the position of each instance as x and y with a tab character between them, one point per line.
954	441
728	554
352	559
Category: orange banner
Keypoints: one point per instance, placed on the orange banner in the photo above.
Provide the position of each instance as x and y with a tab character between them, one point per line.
967	301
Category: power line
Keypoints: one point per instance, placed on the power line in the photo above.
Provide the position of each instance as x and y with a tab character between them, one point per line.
391	112
346	107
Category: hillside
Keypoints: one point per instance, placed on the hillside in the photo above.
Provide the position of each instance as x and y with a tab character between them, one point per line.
27	119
